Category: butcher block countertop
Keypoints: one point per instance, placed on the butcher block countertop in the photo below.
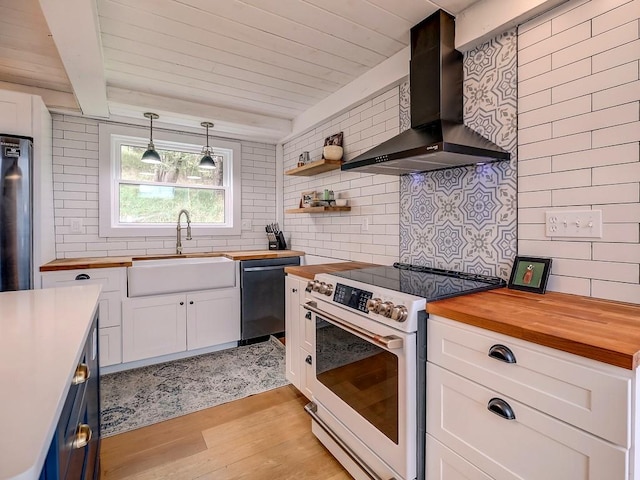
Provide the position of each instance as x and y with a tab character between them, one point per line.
310	271
602	330
110	262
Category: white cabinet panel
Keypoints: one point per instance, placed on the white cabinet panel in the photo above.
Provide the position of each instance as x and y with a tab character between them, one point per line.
111	279
307	330
153	326
110	346
580	391
292	328
213	318
443	464
110	307
307	373
16	114
531	446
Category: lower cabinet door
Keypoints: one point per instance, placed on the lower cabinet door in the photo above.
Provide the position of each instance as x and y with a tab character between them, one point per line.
291	328
508	440
153	326
307	373
110	346
443	464
213	318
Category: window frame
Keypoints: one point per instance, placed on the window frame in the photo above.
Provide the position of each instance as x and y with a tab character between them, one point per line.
112	136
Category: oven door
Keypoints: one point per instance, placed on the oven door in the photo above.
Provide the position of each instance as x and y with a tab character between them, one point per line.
364	387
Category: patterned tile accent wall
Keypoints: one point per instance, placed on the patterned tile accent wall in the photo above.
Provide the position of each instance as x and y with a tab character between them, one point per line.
466	218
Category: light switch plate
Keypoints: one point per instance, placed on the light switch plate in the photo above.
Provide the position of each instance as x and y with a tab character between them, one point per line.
246	224
574	223
76	225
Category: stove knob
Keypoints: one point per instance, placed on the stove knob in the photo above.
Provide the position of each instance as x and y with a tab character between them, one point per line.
385	309
329	290
399	313
373	304
316	285
322	288
309	286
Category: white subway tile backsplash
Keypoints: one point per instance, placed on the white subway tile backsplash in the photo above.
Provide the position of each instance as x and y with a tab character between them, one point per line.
626	213
614	271
556	111
615	17
571	285
569	74
626	93
534	68
596	82
555	249
570	143
622	193
534	167
597	157
617	252
554	43
595	120
583	13
595	45
534	101
534	134
622	292
552	181
616	174
629	132
617	56
534	35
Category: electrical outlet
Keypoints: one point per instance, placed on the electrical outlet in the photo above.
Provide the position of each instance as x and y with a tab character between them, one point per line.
574	223
365	224
76	225
246	224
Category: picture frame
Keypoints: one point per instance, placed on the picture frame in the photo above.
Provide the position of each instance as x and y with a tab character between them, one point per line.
335	139
307	199
530	274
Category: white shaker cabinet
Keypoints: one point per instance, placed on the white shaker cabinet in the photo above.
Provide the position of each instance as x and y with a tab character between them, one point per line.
300	336
503	408
114	288
159	325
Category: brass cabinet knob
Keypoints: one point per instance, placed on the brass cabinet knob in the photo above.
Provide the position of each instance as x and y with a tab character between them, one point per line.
82	437
81	374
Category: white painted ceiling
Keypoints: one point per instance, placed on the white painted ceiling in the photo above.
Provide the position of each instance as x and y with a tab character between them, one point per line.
254	61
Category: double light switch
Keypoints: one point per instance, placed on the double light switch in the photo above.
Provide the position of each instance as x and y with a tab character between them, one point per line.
574	223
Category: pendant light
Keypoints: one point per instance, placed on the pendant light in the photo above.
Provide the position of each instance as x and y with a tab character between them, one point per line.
151	156
207	162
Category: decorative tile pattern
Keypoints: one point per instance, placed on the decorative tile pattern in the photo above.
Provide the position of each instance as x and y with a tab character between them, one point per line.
143	396
465	218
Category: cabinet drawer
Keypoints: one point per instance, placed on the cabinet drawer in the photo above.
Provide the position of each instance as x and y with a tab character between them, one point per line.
443	464
533	445
111	279
585	393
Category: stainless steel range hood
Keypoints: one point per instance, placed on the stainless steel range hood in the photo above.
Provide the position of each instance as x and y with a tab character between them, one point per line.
437	138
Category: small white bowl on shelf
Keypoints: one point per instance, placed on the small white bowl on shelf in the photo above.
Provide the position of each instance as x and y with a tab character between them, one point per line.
332	152
341	202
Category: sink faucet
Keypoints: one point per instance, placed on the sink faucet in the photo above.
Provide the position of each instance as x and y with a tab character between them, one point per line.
178	236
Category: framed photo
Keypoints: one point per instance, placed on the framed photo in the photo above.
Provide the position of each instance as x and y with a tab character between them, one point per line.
335	139
307	199
530	274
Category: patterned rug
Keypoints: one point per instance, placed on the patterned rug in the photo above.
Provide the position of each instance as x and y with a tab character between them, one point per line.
143	396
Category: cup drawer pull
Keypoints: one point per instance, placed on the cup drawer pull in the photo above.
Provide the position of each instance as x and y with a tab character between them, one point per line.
82	374
501	408
82	436
502	353
83	276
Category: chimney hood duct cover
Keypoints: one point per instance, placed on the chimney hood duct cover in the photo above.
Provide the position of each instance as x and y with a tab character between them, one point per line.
437	138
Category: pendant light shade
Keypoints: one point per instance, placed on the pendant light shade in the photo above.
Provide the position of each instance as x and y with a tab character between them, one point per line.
207	162
151	156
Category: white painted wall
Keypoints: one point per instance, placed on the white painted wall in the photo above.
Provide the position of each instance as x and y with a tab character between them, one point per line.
75	176
579	134
370	232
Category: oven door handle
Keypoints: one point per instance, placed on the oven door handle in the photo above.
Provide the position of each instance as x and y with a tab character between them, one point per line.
391	342
312	409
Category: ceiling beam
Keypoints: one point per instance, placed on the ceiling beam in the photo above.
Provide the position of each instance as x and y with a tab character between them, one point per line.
76	33
485	19
227	122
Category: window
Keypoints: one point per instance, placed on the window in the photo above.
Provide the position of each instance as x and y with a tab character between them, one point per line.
140	199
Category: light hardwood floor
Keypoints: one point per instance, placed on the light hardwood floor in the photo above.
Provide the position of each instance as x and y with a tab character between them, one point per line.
262	437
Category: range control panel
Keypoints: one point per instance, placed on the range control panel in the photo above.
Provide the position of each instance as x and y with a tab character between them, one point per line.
352	297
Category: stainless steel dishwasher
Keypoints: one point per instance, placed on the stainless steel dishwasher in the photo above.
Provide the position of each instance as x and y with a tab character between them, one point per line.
262	297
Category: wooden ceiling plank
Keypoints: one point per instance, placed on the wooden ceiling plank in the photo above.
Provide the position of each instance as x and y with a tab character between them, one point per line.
26	79
18	54
210	30
313	17
76	33
413	11
30	69
212	71
248	15
233	93
145	80
244	54
30	7
241	86
372	16
193	53
54	100
24	39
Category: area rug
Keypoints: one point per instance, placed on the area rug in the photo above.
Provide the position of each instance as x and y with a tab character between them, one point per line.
144	396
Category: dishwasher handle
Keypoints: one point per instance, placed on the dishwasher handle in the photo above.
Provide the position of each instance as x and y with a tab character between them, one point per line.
263	269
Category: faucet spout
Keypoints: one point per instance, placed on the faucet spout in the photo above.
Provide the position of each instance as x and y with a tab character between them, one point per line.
179	229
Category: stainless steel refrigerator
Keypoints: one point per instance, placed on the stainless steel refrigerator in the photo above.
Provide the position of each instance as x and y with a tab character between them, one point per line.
16	218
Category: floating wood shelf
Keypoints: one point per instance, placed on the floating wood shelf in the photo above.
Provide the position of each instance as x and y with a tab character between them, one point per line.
315	167
317	209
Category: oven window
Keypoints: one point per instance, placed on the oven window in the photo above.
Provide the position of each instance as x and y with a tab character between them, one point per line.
362	374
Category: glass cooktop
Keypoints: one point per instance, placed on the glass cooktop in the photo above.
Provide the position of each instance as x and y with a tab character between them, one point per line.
425	282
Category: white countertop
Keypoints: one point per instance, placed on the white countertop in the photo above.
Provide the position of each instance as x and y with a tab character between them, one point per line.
42	334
